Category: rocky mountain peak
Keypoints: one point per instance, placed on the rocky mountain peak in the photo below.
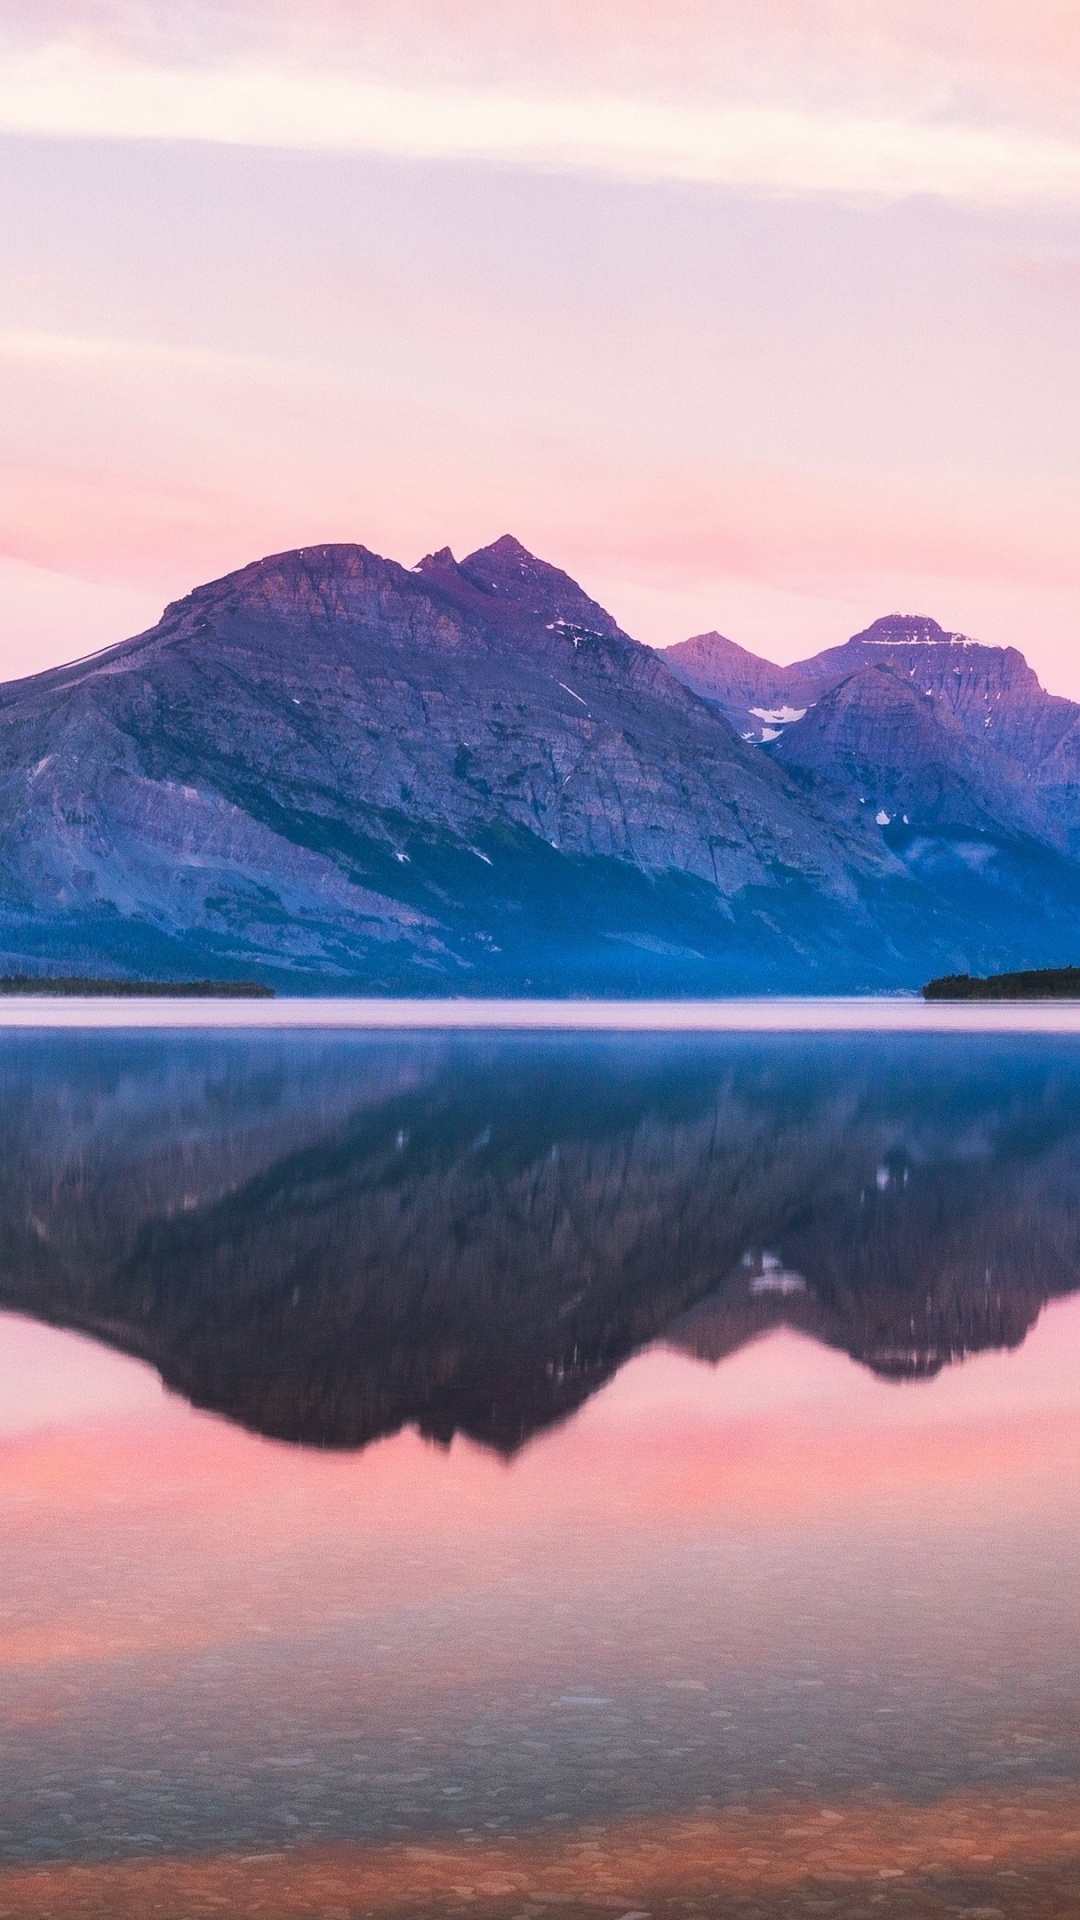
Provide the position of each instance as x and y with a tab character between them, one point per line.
508	556
506	586
333	579
903	629
719	669
508	570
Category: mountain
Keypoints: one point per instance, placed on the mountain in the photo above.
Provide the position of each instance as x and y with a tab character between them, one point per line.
327	1238
965	763
331	772
977	713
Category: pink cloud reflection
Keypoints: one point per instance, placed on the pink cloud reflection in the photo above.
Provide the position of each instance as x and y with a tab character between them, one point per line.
196	1533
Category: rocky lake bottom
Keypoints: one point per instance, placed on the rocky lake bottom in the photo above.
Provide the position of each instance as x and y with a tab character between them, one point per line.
528	1473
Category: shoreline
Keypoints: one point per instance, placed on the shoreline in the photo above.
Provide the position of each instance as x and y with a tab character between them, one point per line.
781	1015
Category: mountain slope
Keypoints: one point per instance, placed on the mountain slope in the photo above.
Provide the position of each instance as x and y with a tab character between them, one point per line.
902	754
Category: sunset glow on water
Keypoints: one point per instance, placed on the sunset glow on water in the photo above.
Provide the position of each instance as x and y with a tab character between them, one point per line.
777	1583
768	1607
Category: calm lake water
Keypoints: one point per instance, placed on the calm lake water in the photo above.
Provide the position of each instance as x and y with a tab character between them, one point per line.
507	1473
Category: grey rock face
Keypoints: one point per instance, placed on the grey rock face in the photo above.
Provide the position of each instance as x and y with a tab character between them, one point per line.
906	754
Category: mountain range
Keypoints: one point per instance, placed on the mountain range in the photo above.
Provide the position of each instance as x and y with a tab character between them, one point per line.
329	772
326	1238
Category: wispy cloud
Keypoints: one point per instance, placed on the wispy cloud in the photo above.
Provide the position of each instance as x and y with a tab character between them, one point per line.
74	89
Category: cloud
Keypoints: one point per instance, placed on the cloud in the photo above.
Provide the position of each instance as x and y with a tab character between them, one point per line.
1016	61
74	87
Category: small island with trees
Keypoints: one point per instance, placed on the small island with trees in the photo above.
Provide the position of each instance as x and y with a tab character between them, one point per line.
1042	983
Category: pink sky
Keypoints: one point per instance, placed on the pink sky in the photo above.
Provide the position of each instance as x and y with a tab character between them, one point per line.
754	316
785	1441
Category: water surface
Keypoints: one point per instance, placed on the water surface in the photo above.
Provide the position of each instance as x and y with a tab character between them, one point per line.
899	1013
608	1459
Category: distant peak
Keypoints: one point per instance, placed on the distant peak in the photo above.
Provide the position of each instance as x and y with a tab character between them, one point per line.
499	568
703	645
506	547
509	572
506	558
903	629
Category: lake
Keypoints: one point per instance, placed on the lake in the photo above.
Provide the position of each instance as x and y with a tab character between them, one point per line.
517	1473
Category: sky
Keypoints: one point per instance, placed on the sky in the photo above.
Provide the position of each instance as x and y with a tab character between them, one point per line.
755	315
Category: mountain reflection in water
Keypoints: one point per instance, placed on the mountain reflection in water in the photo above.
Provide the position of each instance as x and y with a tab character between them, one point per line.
327	1238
